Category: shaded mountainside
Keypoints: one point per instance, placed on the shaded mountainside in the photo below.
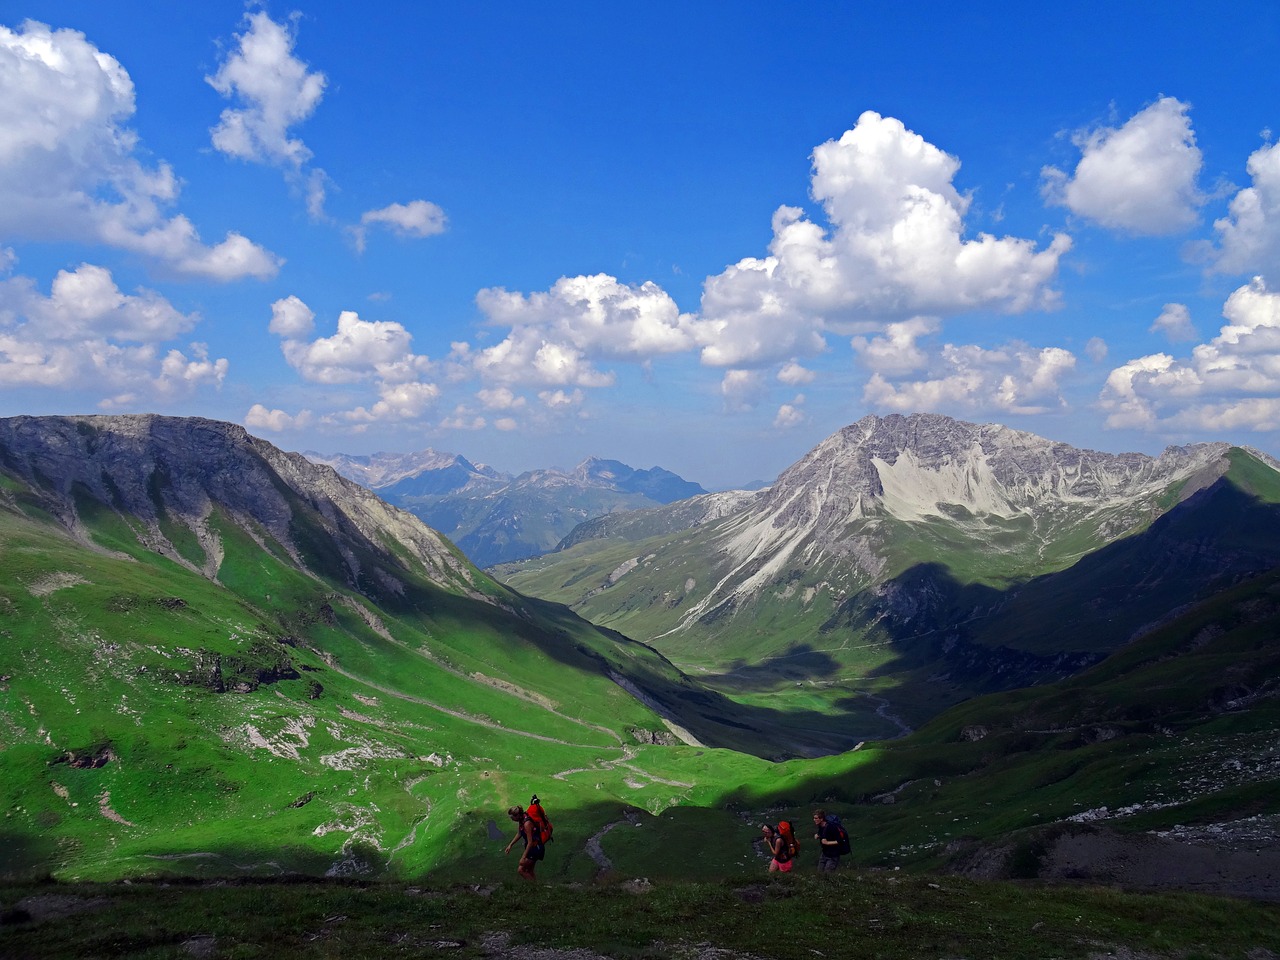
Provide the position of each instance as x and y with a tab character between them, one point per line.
929	557
219	657
1157	767
495	517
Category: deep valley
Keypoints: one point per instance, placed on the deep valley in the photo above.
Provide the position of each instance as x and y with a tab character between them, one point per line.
997	658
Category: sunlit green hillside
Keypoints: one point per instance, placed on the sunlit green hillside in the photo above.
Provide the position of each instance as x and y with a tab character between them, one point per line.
200	693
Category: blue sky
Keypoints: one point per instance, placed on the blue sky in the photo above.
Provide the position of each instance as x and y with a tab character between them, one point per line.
697	235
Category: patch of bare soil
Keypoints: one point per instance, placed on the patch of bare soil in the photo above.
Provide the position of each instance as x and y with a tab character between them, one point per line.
498	944
53	583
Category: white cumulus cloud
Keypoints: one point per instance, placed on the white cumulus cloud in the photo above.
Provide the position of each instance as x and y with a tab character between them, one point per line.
1249	236
557	336
275	90
359	350
1140	177
291	318
277	421
790	414
70	167
895	247
1231	381
378	353
500	398
416	219
1015	378
1175	323
793	374
87	334
742	390
896	352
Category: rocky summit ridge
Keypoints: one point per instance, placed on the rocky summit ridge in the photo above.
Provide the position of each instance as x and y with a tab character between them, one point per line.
160	471
844	503
913	467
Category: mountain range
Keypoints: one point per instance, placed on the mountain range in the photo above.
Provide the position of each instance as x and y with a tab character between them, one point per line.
496	517
219	659
925	558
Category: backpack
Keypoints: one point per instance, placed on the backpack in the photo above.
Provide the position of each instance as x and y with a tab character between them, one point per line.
842	835
539	818
788	834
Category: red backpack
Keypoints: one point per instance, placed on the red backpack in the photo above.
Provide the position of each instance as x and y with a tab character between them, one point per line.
539	818
788	834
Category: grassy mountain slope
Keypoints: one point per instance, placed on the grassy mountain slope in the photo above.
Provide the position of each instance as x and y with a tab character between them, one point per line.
257	689
276	682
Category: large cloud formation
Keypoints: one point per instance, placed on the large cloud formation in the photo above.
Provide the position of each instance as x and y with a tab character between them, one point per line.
275	91
88	334
359	352
555	337
1138	178
1249	236
69	167
1230	383
895	248
1014	378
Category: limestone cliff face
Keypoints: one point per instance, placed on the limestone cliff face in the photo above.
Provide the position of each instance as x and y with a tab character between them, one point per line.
154	468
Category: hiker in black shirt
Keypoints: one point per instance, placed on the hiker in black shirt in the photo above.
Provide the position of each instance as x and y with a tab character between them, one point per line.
828	836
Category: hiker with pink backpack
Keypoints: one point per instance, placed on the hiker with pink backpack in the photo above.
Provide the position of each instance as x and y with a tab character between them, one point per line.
782	845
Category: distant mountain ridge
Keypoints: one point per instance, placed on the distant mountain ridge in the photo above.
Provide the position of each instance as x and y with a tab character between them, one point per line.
381	470
496	517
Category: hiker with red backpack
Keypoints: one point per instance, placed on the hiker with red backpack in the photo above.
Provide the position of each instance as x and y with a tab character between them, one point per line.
533	827
782	846
833	840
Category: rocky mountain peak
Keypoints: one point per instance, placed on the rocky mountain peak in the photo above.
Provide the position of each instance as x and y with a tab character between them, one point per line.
924	465
180	470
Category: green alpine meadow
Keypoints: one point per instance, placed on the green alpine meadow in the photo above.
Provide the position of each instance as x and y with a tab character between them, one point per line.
248	707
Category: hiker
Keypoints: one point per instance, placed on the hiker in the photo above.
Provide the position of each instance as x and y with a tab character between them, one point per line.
828	837
527	831
779	849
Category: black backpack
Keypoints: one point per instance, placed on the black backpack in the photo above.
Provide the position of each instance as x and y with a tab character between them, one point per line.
841	834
